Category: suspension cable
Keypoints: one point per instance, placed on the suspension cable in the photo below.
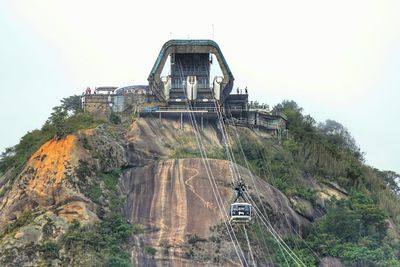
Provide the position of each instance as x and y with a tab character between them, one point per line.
273	231
248	244
211	177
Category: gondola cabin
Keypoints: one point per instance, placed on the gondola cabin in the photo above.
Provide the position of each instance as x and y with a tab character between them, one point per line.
240	212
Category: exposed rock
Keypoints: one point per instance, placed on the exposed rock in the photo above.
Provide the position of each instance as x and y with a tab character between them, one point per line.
327	192
335	186
105	146
330	262
174	200
304	207
40	183
76	211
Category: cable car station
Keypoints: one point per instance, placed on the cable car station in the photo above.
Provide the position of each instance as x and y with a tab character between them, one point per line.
189	81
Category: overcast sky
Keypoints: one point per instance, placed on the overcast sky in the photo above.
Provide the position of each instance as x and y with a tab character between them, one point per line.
337	59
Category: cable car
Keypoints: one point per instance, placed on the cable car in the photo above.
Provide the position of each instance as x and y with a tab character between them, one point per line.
240	212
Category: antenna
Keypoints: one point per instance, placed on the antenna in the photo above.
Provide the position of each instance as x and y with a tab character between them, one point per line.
212	25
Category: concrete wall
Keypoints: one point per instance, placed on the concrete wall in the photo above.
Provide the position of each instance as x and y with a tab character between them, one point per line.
98	104
103	104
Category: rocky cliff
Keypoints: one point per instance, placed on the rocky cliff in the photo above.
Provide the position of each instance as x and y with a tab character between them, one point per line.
161	187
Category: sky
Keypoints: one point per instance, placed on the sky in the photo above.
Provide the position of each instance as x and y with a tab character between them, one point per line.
338	60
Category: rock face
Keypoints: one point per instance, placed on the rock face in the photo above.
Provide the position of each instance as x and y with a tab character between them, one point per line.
41	182
180	207
174	200
330	262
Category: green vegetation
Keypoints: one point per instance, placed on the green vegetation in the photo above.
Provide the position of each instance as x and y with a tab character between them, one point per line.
194	239
186	147
182	152
150	251
110	178
106	240
49	249
94	192
275	164
100	187
114	118
24	219
182	148
355	229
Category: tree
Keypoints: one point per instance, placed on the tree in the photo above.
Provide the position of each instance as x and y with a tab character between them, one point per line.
72	103
58	118
392	180
287	105
342	222
338	134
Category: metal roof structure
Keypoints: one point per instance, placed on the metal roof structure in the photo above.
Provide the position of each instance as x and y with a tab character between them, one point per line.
189	46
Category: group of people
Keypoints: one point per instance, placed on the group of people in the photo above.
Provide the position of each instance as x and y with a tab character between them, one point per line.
88	91
136	91
239	90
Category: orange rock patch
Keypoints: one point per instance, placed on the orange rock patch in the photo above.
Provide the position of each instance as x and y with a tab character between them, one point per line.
46	168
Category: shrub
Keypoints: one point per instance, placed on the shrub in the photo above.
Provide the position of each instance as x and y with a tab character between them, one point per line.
150	250
115	261
110	178
49	249
107	239
24	219
94	192
114	118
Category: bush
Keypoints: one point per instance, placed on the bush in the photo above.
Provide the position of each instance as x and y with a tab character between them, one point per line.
49	249
193	239
107	239
354	231
24	219
114	118
150	251
115	261
94	192
110	179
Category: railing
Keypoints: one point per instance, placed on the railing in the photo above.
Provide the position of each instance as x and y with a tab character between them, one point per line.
236	121
253	122
177	109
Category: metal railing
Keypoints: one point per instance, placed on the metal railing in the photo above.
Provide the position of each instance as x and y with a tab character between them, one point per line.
177	109
253	122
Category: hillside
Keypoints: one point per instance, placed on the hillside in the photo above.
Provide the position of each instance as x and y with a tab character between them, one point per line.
123	191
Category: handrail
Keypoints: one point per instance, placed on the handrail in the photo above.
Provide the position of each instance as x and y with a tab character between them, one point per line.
243	121
268	125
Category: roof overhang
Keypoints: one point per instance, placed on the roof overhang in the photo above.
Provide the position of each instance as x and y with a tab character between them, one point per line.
189	46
